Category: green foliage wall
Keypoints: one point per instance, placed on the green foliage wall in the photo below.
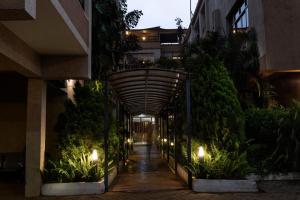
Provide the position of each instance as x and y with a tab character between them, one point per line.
275	139
216	111
86	115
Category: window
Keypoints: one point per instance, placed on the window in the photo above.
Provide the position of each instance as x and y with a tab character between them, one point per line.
169	38
240	17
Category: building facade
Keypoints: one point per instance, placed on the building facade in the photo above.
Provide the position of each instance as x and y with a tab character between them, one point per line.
42	43
154	43
276	24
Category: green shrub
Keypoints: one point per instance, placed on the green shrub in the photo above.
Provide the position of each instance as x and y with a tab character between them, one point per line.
217	114
219	164
81	131
168	63
75	163
86	115
275	139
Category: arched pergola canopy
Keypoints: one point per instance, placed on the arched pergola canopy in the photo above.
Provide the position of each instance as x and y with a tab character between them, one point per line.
147	90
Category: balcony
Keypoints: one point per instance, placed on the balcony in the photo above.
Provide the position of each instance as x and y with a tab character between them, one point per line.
49	39
71	32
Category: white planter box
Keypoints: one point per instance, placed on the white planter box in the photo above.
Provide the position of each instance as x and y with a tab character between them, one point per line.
216	186
275	177
72	189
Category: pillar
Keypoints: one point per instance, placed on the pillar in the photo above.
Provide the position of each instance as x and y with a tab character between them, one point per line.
189	128
168	137
35	136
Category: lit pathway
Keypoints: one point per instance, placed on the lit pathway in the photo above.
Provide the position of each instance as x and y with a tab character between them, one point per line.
151	179
146	171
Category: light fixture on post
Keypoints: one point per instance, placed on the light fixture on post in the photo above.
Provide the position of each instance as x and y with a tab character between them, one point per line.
165	140
201	154
172	144
94	156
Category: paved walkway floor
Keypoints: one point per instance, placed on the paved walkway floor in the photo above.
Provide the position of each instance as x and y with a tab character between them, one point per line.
146	172
147	177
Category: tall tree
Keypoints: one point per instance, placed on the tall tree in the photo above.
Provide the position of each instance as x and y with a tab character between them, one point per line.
110	21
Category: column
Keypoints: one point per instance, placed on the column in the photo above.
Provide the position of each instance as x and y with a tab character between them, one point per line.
35	136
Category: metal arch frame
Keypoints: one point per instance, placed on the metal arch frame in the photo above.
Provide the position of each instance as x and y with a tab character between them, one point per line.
149	89
146	90
132	84
141	93
134	87
182	72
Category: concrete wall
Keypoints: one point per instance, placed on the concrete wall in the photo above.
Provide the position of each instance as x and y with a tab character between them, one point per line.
282	34
275	22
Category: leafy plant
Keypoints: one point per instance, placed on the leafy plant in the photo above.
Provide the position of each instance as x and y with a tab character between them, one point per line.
275	139
84	114
168	63
220	164
110	21
75	163
217	114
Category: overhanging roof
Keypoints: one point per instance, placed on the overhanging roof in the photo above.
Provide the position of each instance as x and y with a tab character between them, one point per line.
148	90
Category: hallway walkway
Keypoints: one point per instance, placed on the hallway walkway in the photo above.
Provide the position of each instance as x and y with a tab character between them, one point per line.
146	171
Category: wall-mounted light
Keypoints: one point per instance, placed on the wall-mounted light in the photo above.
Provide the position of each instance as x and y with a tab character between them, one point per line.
165	140
94	156
127	33
172	144
70	83
144	38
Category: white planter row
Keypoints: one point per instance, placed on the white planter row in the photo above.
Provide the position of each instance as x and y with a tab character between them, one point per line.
275	177
223	186
73	189
215	185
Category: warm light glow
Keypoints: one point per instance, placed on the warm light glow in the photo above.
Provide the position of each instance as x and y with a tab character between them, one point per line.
143	38
142	115
165	140
94	155
172	144
129	140
127	33
201	152
70	83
